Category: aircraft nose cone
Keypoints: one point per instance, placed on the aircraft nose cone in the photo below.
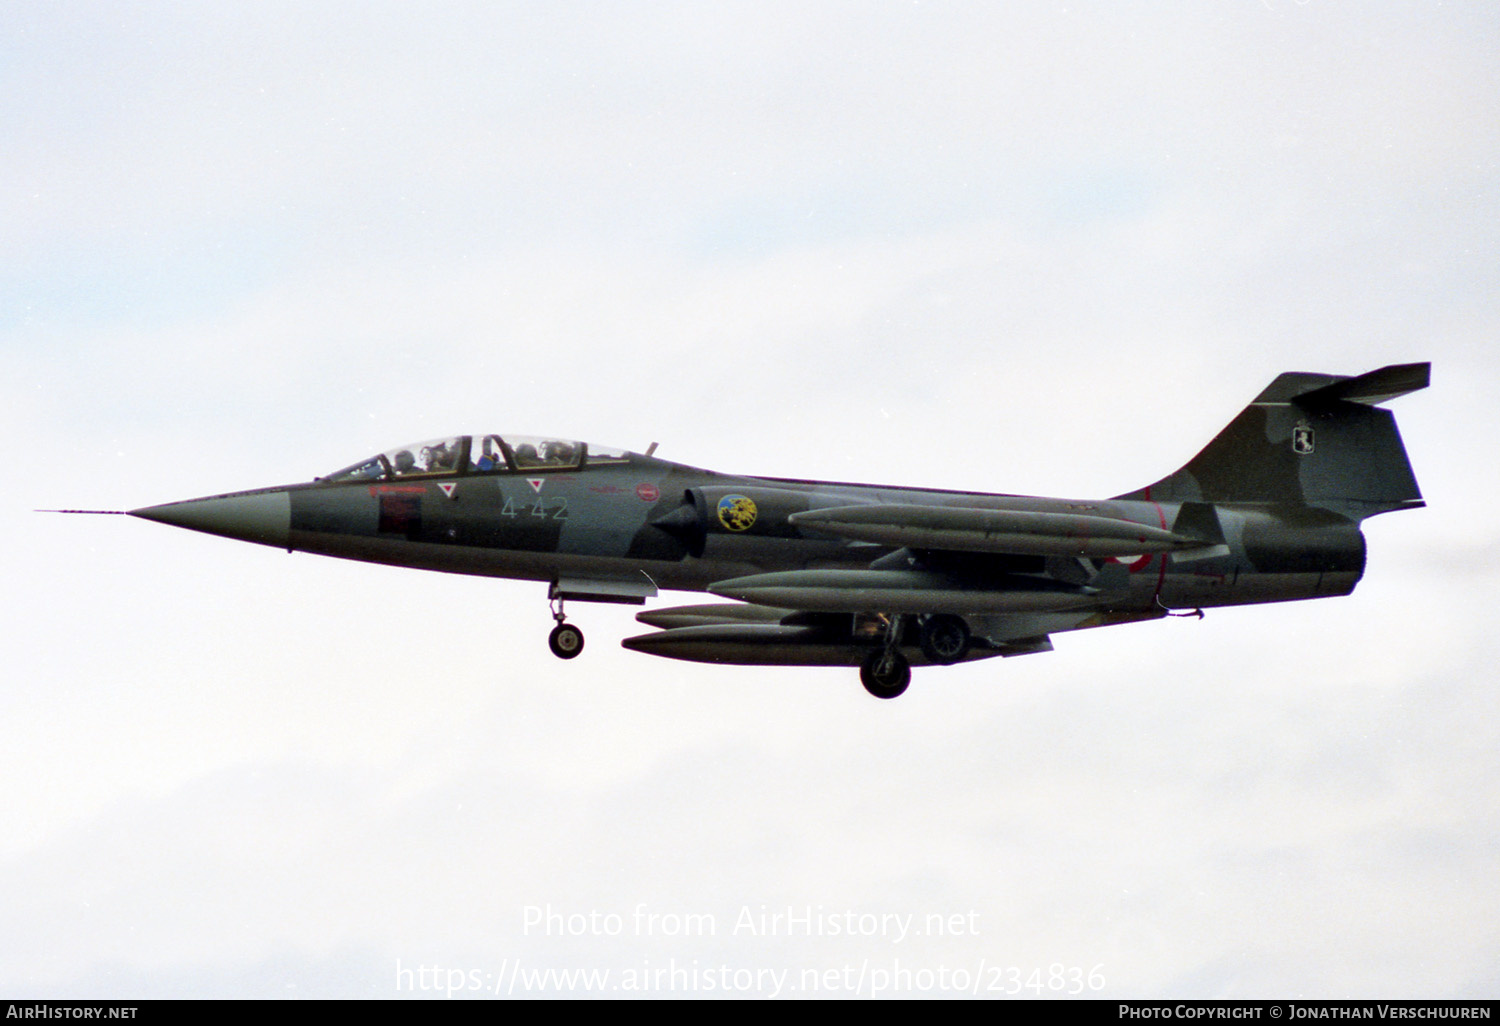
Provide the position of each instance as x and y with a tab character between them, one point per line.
263	517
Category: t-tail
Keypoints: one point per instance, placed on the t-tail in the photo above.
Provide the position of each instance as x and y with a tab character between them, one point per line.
1317	441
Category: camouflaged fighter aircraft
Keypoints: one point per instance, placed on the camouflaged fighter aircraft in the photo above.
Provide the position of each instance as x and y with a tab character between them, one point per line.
878	577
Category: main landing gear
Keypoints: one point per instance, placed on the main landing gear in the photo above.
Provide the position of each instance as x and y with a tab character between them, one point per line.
943	638
885	672
566	641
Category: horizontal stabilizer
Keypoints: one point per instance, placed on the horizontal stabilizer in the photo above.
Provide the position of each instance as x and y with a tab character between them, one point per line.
1373	388
901	591
1014	532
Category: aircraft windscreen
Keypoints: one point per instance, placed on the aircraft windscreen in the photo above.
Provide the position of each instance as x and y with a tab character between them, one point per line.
436	457
485	454
535	452
604	454
439	456
530	453
371	469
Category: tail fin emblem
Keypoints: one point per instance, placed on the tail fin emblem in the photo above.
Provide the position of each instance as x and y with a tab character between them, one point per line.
1302	439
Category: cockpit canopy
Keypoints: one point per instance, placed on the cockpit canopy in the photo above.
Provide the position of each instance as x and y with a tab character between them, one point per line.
479	454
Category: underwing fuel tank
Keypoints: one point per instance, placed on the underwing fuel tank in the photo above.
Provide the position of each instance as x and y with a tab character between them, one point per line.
959	529
772	644
712	614
902	591
750	644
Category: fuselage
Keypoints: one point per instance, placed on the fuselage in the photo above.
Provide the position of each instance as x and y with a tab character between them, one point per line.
681	528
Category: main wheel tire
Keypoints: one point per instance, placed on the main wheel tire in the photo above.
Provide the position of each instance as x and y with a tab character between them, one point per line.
944	639
566	641
885	675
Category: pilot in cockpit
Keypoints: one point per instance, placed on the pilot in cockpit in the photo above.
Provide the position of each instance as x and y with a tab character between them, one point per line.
440	457
557	453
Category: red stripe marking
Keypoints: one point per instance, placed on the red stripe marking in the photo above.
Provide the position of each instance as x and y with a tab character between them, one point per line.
1161	576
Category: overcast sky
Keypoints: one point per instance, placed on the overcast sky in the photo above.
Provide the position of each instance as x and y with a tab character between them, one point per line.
1009	247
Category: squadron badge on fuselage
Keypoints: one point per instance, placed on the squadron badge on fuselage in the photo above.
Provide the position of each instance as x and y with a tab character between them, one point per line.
736	512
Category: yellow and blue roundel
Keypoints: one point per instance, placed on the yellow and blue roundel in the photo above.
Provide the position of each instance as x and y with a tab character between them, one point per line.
736	512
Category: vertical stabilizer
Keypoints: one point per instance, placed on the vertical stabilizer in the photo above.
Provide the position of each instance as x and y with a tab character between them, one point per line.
1314	440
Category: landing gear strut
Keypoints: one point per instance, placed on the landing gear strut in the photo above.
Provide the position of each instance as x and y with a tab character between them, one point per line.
566	641
885	672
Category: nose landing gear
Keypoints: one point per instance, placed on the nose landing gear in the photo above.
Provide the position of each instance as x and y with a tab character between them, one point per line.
566	641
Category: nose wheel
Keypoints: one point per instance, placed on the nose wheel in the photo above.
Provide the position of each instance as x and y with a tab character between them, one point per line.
566	641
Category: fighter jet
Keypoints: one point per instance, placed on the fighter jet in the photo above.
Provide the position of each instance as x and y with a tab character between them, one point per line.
881	577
